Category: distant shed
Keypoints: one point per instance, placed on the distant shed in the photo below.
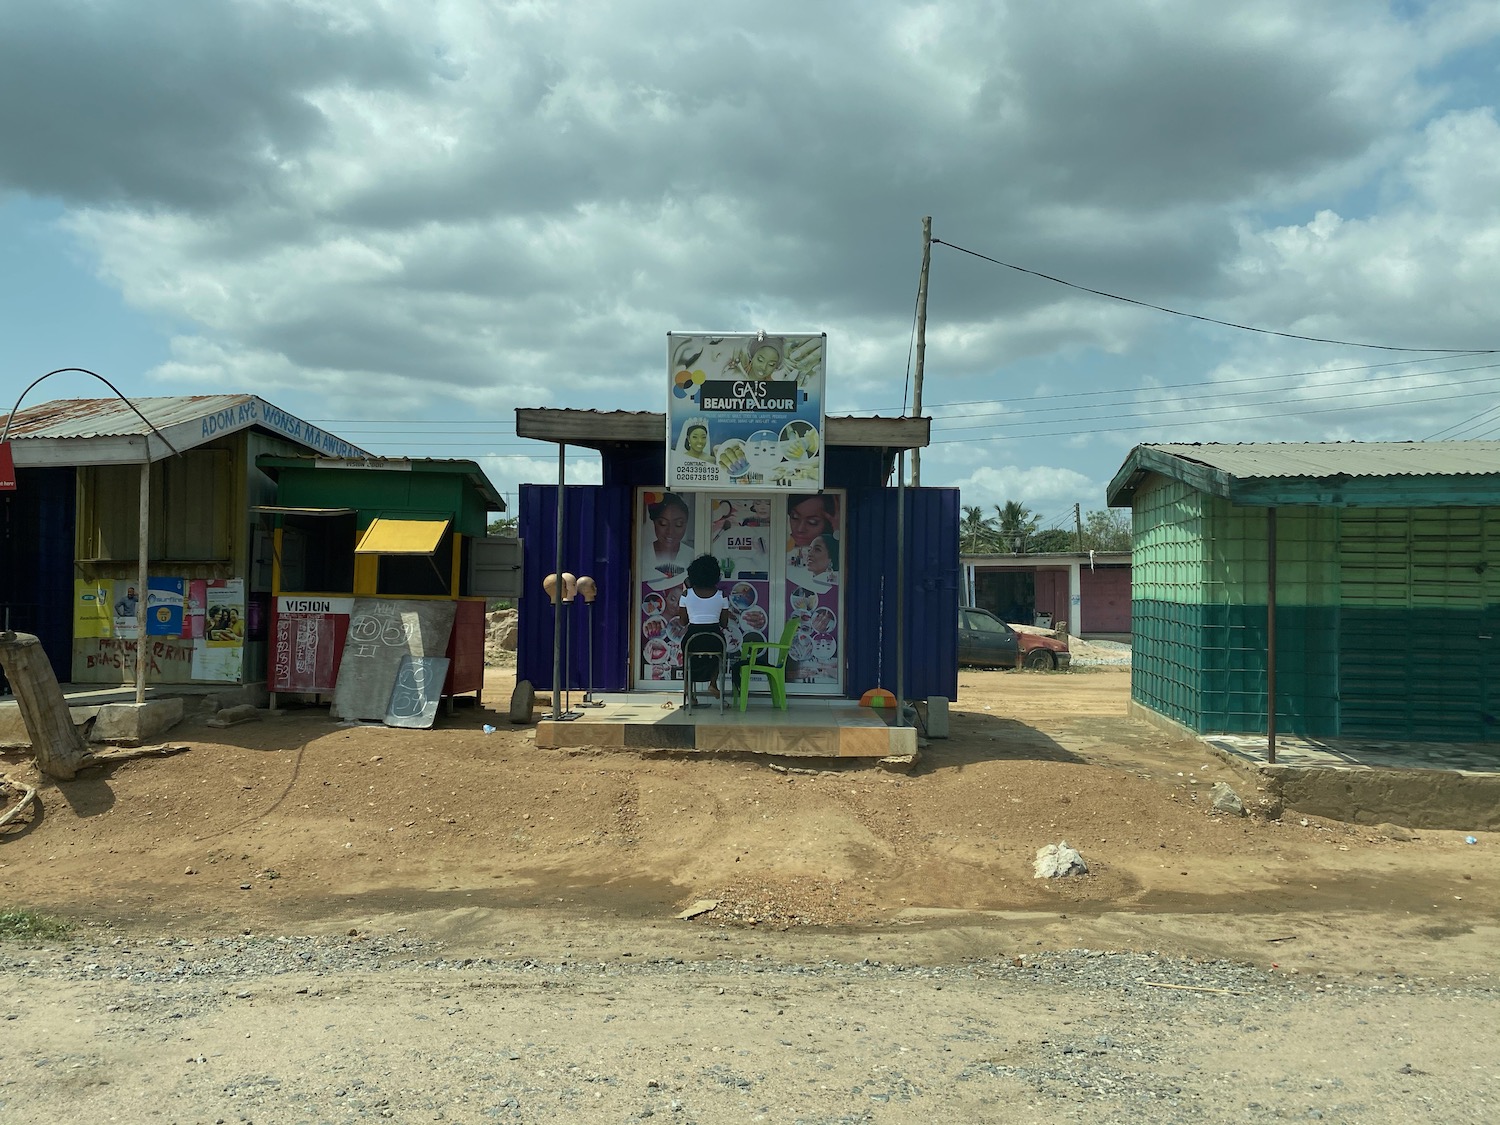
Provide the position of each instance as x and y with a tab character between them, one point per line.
1377	558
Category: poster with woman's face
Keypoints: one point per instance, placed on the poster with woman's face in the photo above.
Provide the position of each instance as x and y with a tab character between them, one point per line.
665	531
741	543
814	566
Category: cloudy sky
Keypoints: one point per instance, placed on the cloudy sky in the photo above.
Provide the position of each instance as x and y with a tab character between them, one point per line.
405	219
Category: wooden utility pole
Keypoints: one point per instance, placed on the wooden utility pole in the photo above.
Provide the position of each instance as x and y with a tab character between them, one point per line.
1078	523
142	656
59	748
916	454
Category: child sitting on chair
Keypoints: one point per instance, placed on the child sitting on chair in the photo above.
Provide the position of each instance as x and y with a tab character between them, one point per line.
706	611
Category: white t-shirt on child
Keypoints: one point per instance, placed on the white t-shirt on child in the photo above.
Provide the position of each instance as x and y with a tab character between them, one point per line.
704	611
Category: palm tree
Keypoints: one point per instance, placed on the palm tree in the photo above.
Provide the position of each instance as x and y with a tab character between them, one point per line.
976	532
1016	524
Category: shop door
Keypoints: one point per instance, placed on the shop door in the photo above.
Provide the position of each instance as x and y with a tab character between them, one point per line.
780	558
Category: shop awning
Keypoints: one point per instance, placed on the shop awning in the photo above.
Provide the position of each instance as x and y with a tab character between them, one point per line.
283	510
402	537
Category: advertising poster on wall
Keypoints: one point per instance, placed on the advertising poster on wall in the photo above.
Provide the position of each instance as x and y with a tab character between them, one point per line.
218	654
814	569
164	603
123	623
92	611
741	543
224	614
665	534
745	412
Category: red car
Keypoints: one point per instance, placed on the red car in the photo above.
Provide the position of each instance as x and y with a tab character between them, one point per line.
985	640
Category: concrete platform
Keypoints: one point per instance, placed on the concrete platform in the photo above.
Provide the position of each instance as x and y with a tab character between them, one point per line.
808	728
109	714
1447	785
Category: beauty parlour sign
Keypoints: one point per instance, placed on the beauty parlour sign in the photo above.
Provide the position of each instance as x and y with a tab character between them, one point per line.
745	412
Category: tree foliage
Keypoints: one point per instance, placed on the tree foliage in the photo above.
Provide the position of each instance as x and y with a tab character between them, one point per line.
1013	530
1107	529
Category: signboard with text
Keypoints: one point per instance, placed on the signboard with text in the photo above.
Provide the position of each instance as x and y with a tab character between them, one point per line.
7	469
745	412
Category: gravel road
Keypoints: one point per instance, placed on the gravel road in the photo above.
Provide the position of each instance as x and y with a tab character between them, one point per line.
381	1026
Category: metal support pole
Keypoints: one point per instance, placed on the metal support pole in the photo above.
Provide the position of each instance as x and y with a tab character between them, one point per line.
557	591
901	589
567	617
588	696
140	581
1271	635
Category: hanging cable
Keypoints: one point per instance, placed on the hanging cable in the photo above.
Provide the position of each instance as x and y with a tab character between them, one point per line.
1196	316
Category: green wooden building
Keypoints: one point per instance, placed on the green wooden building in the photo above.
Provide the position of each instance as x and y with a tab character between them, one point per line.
1359	581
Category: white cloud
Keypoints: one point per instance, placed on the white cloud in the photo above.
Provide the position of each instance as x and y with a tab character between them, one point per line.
448	211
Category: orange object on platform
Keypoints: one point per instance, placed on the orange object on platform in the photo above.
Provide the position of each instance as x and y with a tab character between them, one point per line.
877	697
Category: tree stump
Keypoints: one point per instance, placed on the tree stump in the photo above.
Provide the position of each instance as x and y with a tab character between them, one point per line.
59	748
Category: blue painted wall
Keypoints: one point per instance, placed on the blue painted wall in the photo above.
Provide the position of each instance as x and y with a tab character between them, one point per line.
36	561
597	540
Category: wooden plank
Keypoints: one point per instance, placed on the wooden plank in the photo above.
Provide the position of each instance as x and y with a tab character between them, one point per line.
32	453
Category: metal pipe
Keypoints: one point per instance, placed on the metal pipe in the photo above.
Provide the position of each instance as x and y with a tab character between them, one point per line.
1271	635
901	589
557	589
140	582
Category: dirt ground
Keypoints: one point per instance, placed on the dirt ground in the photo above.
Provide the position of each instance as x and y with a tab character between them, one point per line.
297	821
296	920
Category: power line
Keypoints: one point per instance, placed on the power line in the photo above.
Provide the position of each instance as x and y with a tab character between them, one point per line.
938	423
1378	384
1193	422
1196	316
1216	383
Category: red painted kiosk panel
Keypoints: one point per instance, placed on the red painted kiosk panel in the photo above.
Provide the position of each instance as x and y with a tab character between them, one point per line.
466	650
307	641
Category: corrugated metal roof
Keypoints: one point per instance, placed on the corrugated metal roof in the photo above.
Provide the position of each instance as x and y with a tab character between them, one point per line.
1344	458
109	417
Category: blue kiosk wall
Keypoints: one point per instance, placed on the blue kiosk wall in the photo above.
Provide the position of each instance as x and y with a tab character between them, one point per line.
597	541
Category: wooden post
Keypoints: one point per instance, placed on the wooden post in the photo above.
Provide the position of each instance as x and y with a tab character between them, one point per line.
1271	635
55	741
140	588
916	454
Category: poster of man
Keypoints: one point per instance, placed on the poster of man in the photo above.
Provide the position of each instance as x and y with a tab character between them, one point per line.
127	601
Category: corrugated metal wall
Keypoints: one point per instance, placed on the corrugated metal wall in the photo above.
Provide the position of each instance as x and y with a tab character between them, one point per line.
596	541
1104	599
1387	622
1417	647
36	561
931	633
597	537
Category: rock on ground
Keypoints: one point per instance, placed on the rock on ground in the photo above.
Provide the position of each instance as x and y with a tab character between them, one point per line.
1056	860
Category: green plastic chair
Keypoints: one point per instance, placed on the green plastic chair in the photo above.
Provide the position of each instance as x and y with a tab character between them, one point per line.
774	670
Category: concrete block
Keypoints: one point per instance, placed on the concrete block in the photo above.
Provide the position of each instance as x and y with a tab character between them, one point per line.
130	722
13	733
937	717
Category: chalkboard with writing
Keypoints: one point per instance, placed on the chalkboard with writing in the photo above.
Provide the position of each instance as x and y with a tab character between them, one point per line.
418	689
381	632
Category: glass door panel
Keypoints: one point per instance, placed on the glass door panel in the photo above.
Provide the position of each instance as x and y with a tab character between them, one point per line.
665	536
780	558
741	535
812	592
